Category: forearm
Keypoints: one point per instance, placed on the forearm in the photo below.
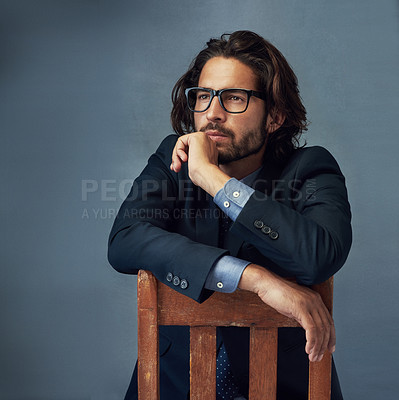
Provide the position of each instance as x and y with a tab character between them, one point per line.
256	278
294	301
211	179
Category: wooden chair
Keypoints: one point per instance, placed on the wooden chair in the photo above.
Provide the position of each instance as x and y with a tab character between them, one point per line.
157	305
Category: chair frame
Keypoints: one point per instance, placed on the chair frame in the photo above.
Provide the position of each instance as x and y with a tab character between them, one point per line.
157	305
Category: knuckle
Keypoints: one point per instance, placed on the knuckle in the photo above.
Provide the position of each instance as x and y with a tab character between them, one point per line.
305	303
316	296
312	330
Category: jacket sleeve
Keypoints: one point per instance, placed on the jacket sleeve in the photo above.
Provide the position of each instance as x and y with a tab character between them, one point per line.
145	235
304	226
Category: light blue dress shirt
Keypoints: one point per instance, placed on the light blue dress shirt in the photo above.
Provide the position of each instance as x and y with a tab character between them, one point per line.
231	199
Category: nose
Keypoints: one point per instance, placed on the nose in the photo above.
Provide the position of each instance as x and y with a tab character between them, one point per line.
215	111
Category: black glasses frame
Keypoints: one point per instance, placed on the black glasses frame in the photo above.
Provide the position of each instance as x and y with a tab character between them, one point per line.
218	93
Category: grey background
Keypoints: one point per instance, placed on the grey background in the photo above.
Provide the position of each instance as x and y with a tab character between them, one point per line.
84	100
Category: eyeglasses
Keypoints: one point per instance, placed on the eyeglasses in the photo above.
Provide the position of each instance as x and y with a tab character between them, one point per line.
233	101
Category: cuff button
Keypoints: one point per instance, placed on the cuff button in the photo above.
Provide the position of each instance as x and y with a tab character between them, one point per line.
169	277
258	224
219	285
184	284
267	230
226	204
273	235
236	194
176	280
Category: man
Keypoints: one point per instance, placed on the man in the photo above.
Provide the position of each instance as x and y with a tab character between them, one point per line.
236	160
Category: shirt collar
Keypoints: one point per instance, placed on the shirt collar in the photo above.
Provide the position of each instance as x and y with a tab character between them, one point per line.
249	179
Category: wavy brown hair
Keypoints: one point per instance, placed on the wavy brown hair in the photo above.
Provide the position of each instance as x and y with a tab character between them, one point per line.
275	78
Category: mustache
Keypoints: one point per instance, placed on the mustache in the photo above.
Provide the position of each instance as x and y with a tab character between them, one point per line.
217	127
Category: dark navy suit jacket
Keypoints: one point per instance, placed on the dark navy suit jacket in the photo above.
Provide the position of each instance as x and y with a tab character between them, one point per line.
170	226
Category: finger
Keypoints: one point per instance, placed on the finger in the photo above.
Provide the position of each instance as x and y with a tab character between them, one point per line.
182	154
175	160
315	336
179	154
328	322
333	339
312	339
181	148
325	328
176	164
325	332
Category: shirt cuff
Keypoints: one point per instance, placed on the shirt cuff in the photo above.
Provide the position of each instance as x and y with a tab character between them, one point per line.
232	197
225	274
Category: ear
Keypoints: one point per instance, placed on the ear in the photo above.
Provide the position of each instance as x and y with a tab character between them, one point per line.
274	121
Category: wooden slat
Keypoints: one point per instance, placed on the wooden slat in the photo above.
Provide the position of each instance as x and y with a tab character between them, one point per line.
202	362
326	290
148	337
320	378
244	309
263	364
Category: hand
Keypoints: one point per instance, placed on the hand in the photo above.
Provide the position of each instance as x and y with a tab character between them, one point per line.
197	149
297	302
202	156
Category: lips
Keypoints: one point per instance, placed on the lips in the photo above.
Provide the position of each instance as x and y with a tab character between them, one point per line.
216	132
213	133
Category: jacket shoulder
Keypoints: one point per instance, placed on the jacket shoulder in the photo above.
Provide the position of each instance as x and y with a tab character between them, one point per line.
163	154
167	145
313	159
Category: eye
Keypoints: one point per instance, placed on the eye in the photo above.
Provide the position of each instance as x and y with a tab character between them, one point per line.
203	96
235	97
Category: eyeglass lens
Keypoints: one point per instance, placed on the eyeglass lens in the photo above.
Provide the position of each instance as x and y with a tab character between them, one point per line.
233	100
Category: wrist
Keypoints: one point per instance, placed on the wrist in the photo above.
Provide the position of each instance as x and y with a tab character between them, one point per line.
212	179
252	276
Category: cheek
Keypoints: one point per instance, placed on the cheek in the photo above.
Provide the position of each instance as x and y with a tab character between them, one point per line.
197	121
243	124
200	121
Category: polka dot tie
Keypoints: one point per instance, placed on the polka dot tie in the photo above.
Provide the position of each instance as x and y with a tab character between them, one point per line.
226	388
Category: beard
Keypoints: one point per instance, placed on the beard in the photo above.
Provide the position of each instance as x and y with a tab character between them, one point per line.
250	143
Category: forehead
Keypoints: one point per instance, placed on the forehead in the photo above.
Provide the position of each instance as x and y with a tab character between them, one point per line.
221	73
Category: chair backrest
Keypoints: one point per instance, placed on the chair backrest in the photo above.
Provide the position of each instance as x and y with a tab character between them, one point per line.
157	305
